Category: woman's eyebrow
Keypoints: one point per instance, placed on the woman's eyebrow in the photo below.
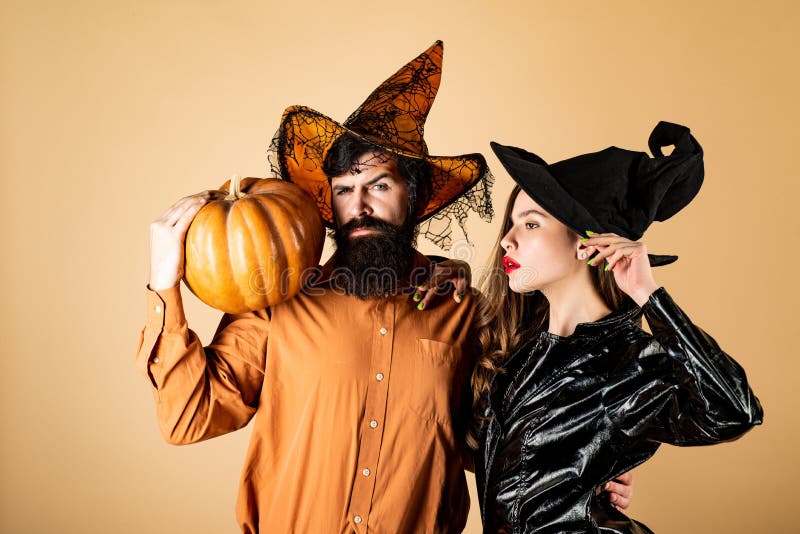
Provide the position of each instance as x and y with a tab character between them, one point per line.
531	212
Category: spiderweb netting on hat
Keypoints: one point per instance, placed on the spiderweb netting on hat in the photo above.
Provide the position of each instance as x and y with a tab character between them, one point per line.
459	185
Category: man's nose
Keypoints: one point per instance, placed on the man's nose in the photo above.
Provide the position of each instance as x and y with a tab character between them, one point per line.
360	206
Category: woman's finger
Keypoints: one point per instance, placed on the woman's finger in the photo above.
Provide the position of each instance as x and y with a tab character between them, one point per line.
620	502
605	240
620	492
461	289
419	292
614	258
426	300
628	248
589	233
437	277
602	253
440	274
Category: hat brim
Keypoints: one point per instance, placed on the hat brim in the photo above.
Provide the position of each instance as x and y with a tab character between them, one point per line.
305	136
529	171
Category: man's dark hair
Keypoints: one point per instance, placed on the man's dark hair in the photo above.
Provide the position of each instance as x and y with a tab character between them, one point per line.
344	153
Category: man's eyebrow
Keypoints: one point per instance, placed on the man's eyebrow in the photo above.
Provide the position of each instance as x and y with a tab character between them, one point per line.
380	177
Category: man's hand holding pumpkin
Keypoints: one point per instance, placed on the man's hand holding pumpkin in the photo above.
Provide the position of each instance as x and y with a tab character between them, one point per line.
167	237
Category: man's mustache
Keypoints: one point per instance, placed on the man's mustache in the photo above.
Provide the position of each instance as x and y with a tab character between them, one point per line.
367	221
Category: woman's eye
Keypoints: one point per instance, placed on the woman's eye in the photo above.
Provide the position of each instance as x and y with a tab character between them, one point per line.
531	226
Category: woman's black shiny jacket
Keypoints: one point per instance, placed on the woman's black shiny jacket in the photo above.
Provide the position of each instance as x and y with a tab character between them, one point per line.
569	414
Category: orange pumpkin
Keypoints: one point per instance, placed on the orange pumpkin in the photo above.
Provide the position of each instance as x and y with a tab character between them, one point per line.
255	247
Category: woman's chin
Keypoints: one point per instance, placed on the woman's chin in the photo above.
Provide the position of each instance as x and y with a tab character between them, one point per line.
521	288
524	280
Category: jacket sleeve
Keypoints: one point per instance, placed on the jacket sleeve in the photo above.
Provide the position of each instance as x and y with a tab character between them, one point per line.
680	387
201	392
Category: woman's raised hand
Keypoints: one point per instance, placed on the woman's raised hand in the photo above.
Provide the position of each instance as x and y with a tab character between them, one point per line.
627	260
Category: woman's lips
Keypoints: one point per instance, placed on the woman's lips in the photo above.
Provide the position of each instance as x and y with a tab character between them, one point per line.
510	264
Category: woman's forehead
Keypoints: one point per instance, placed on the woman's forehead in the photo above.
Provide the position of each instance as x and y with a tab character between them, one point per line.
524	205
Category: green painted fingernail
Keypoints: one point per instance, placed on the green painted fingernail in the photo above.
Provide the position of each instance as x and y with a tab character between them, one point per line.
421	305
607	266
589	232
584	239
590	261
417	296
458	299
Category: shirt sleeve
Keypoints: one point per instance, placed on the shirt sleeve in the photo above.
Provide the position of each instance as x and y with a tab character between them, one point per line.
680	387
201	392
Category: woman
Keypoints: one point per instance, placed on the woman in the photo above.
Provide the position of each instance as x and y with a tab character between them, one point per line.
571	392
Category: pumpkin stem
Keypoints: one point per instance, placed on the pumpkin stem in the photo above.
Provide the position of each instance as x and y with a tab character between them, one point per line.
235	191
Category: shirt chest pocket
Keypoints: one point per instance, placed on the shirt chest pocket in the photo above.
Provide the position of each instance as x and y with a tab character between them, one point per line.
433	380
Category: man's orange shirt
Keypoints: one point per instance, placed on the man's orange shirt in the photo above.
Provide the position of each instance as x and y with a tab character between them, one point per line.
360	405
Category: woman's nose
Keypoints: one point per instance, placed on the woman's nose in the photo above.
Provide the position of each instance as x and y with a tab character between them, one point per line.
507	243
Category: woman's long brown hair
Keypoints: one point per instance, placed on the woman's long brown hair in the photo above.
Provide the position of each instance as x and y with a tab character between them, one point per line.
507	319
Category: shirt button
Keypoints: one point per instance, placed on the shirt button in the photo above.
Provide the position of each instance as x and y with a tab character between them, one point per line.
158	309
365	472
383	331
357	519
379	377
373	424
156	359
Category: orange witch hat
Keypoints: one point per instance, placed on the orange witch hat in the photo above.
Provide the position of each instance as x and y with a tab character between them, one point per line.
392	118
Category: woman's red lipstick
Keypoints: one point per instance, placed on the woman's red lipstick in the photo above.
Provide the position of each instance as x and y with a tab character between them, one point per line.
510	264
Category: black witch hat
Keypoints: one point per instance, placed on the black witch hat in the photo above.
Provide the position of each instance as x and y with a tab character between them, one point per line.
614	190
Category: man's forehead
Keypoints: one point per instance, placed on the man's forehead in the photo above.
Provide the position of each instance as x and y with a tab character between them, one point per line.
368	166
373	158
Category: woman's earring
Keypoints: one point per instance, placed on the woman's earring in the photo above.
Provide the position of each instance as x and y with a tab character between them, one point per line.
582	255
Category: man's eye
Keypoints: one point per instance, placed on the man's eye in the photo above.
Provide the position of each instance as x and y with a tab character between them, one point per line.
531	226
340	192
380	187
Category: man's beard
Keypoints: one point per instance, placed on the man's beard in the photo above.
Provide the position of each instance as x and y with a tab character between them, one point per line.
373	265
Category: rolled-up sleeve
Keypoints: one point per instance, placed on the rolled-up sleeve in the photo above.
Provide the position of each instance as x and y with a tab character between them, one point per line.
201	392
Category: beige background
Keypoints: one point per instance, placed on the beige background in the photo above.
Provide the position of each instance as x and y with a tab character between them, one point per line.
112	110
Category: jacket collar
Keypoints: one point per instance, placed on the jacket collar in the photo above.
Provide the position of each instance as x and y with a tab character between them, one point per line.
628	312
